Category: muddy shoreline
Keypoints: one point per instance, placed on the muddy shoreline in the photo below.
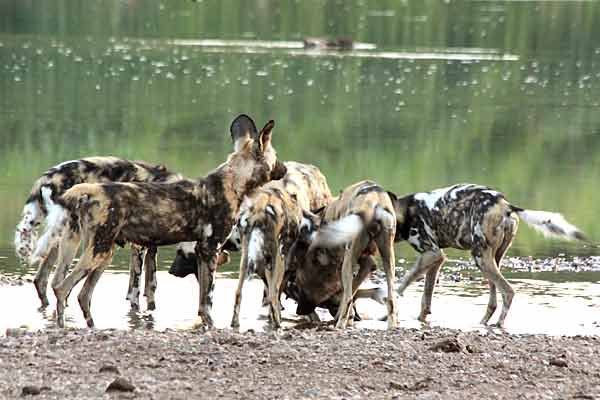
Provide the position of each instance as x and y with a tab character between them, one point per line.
428	363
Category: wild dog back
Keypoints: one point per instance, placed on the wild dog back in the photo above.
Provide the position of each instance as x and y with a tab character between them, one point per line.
447	217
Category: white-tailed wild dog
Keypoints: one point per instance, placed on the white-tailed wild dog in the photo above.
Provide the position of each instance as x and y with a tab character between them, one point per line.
361	218
151	214
41	205
269	223
467	217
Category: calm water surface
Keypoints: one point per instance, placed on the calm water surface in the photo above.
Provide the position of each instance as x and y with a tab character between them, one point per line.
505	94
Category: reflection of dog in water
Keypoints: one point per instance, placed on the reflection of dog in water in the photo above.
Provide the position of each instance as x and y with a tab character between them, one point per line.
467	217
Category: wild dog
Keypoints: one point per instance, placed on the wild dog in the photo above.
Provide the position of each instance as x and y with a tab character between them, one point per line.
361	217
269	224
152	214
315	279
41	205
467	217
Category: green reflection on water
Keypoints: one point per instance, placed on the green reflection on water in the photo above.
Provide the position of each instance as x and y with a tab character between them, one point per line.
80	79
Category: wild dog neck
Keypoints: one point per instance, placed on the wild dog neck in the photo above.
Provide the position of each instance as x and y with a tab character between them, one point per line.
404	209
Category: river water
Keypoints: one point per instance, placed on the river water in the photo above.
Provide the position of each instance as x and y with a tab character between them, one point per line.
500	93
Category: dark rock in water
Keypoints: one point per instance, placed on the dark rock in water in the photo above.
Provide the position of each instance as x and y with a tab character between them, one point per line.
120	385
30	390
111	369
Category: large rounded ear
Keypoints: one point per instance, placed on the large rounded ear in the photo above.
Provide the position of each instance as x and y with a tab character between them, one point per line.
393	197
319	211
264	137
242	128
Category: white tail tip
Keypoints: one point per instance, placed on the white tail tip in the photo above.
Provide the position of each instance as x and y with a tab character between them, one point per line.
339	232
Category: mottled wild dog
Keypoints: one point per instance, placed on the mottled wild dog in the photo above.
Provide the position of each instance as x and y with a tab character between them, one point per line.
147	214
315	279
467	217
269	224
41	205
363	219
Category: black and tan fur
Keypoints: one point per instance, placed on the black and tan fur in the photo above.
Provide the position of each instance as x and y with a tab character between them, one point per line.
148	214
269	223
53	183
314	279
467	217
363	219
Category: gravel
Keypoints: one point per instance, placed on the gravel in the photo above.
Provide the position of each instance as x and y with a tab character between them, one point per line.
319	362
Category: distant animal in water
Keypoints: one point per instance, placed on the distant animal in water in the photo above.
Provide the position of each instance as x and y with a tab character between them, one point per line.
467	217
354	226
41	205
152	214
340	43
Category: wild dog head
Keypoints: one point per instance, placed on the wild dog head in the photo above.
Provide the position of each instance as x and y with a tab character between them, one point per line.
186	261
254	161
402	209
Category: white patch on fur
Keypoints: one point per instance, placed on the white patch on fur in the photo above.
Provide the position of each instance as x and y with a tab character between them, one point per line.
415	240
270	210
134	296
25	235
478	231
339	232
56	219
431	198
306	224
255	244
62	164
187	247
243	221
492	192
234	236
385	217
208	231
550	224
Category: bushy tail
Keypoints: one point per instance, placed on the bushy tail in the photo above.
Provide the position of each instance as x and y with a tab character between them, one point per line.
26	233
55	222
550	224
339	232
349	227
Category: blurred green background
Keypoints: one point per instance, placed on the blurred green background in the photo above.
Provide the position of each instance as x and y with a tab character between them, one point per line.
505	94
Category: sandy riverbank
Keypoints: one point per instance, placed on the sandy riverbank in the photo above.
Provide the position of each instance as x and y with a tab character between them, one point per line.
308	363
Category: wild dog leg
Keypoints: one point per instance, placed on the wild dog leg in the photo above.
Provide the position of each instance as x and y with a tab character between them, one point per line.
62	290
67	250
276	278
423	263
492	304
509	235
353	251
235	320
41	277
207	267
430	282
484	258
85	296
385	244
135	271
150	276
